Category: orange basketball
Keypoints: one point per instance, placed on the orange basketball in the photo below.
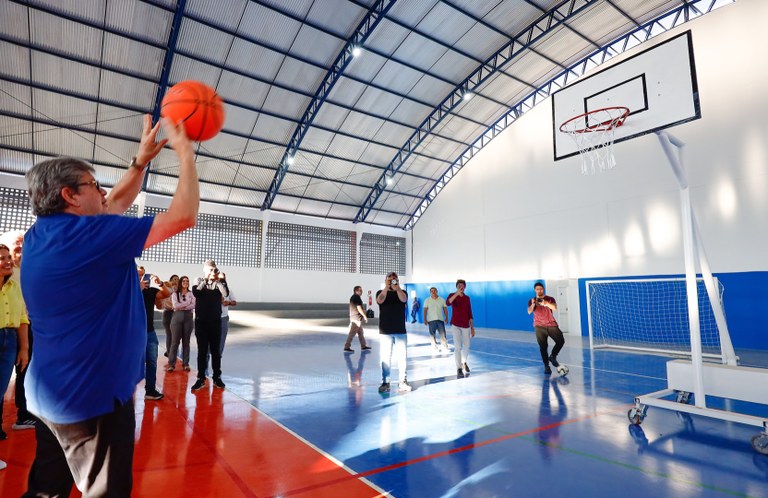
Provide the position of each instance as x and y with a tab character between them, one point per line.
196	105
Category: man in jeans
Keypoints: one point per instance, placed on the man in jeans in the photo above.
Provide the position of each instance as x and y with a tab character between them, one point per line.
152	290
392	301
435	315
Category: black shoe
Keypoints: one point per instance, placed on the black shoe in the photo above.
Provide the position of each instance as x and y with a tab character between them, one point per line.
459	374
3	435
218	383
466	368
25	423
553	361
384	387
165	354
366	348
547	370
154	394
413	321
198	385
349	350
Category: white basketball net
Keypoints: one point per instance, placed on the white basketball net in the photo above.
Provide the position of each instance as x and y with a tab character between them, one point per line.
593	134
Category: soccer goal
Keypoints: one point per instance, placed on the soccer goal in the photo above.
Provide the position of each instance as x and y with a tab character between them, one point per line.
652	315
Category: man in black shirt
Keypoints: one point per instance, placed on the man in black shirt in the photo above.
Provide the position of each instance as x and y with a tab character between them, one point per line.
356	317
392	301
152	289
209	291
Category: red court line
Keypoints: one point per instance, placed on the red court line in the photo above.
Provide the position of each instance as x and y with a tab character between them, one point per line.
452	451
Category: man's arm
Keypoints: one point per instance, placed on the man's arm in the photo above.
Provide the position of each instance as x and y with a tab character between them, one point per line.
362	313
162	293
402	295
550	304
125	191
182	213
200	284
531	305
381	296
445	312
22	358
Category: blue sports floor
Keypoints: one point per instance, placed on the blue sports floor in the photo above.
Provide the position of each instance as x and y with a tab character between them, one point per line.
506	430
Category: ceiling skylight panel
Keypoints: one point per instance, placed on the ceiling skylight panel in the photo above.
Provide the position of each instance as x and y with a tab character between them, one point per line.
64	74
139	18
14	133
62	35
204	41
316	46
64	110
137	93
270	26
131	56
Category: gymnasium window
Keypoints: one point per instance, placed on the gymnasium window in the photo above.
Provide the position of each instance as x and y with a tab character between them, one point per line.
15	212
228	240
304	247
381	254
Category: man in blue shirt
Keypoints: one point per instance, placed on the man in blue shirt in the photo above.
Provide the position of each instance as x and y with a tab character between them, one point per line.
80	287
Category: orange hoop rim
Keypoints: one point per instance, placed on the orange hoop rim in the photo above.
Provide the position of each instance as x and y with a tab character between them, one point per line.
603	126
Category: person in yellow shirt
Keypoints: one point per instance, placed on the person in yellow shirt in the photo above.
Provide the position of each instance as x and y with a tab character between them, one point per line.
14	347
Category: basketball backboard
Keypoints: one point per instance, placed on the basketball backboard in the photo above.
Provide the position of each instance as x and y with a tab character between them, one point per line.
658	85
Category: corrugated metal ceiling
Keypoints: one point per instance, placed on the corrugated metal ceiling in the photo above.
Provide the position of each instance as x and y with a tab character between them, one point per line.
76	77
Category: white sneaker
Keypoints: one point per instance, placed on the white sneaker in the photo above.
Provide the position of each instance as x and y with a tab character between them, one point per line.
3	465
404	386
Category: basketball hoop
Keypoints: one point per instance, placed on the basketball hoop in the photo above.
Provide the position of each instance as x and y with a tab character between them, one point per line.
593	134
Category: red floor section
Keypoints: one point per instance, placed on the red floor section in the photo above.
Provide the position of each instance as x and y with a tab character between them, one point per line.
206	444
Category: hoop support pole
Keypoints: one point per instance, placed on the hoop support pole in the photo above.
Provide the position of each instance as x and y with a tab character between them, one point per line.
689	252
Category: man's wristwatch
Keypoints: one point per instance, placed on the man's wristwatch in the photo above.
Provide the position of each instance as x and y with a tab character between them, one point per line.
135	164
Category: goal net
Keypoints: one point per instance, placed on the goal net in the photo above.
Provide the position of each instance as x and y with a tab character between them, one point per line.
650	315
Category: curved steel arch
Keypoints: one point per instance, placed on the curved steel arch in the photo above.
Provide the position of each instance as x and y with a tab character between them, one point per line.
550	20
173	38
363	31
667	21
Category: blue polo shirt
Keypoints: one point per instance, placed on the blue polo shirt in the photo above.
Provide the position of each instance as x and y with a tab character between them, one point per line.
83	295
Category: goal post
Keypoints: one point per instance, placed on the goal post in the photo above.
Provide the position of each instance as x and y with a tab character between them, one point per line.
651	315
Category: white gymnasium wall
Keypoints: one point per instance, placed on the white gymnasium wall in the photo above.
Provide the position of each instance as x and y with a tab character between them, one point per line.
269	285
513	213
273	285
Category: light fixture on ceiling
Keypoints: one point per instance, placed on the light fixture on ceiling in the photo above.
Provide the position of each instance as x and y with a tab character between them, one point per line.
467	95
356	50
289	160
390	178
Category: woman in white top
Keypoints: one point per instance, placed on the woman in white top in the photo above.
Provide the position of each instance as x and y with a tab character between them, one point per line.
181	324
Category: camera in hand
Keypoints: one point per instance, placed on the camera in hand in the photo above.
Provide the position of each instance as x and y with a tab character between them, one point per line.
539	300
393	282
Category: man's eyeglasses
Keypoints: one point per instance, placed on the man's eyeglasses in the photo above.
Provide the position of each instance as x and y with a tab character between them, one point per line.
95	183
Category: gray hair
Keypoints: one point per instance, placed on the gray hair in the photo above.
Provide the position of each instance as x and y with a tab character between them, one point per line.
46	179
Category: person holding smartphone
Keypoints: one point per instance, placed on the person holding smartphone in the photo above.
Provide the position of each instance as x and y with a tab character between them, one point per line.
209	292
545	326
392	301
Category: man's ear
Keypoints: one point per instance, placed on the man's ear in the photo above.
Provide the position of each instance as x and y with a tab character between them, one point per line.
68	194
